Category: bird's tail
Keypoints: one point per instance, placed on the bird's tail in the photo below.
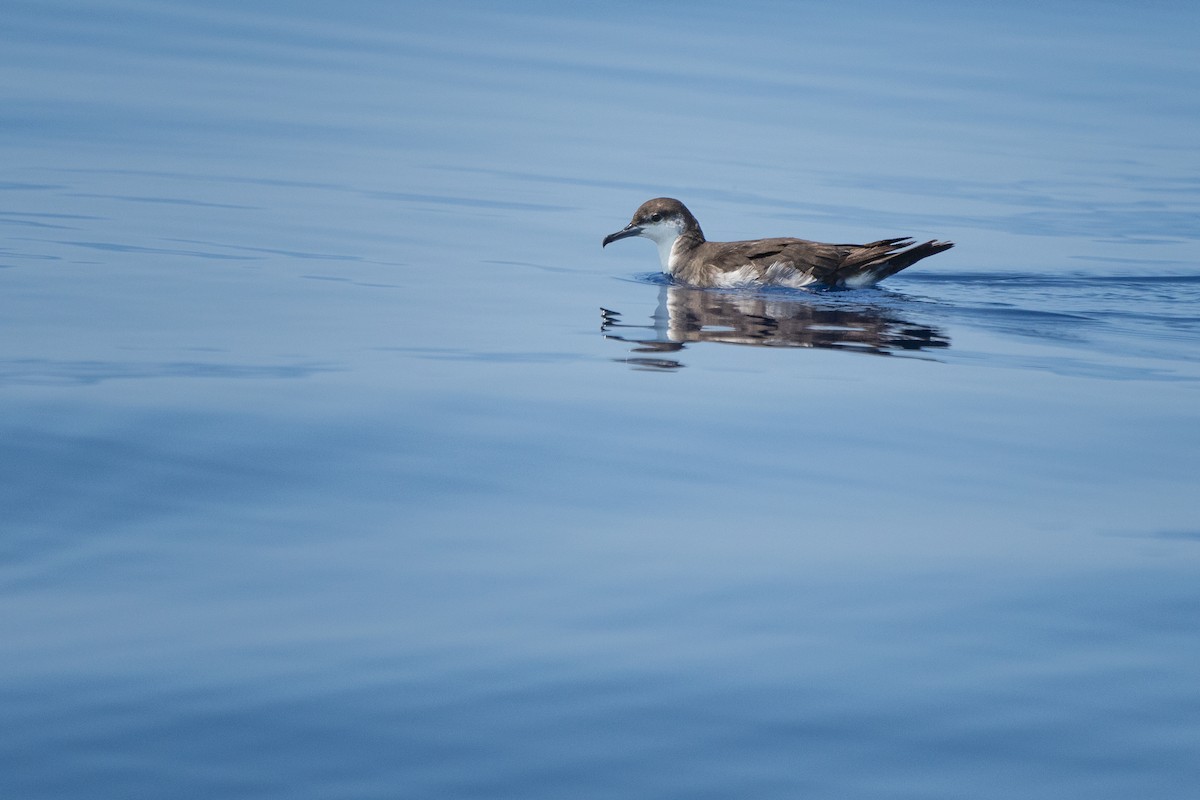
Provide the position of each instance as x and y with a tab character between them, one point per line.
878	260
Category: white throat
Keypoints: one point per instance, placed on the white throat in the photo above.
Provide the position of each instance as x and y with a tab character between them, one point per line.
664	234
666	250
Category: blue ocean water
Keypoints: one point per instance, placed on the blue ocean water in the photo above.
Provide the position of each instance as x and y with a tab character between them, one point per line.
338	460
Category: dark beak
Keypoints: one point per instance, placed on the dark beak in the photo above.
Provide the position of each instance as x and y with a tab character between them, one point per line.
624	233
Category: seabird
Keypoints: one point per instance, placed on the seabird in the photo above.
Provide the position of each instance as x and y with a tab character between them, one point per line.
691	259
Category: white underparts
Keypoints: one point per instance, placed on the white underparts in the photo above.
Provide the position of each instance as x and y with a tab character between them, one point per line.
742	276
777	274
861	280
780	274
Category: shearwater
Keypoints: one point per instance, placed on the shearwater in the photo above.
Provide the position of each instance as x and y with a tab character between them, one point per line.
691	259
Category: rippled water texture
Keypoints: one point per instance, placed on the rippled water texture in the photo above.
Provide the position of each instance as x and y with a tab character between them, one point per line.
337	460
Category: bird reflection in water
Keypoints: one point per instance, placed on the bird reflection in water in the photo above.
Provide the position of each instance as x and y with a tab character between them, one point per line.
685	315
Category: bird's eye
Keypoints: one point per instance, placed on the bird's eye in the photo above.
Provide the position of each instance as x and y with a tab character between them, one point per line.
656	217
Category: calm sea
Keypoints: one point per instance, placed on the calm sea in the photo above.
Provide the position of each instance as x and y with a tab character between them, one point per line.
338	460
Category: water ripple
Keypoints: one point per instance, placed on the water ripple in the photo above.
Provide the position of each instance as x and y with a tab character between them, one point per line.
35	371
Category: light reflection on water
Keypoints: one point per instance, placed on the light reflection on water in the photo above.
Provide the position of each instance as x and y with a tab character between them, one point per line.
1106	321
318	480
767	319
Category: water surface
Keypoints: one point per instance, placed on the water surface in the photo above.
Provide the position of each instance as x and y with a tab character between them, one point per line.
338	459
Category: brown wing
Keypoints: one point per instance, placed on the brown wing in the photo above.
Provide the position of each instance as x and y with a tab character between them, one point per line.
831	264
857	257
878	260
823	260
